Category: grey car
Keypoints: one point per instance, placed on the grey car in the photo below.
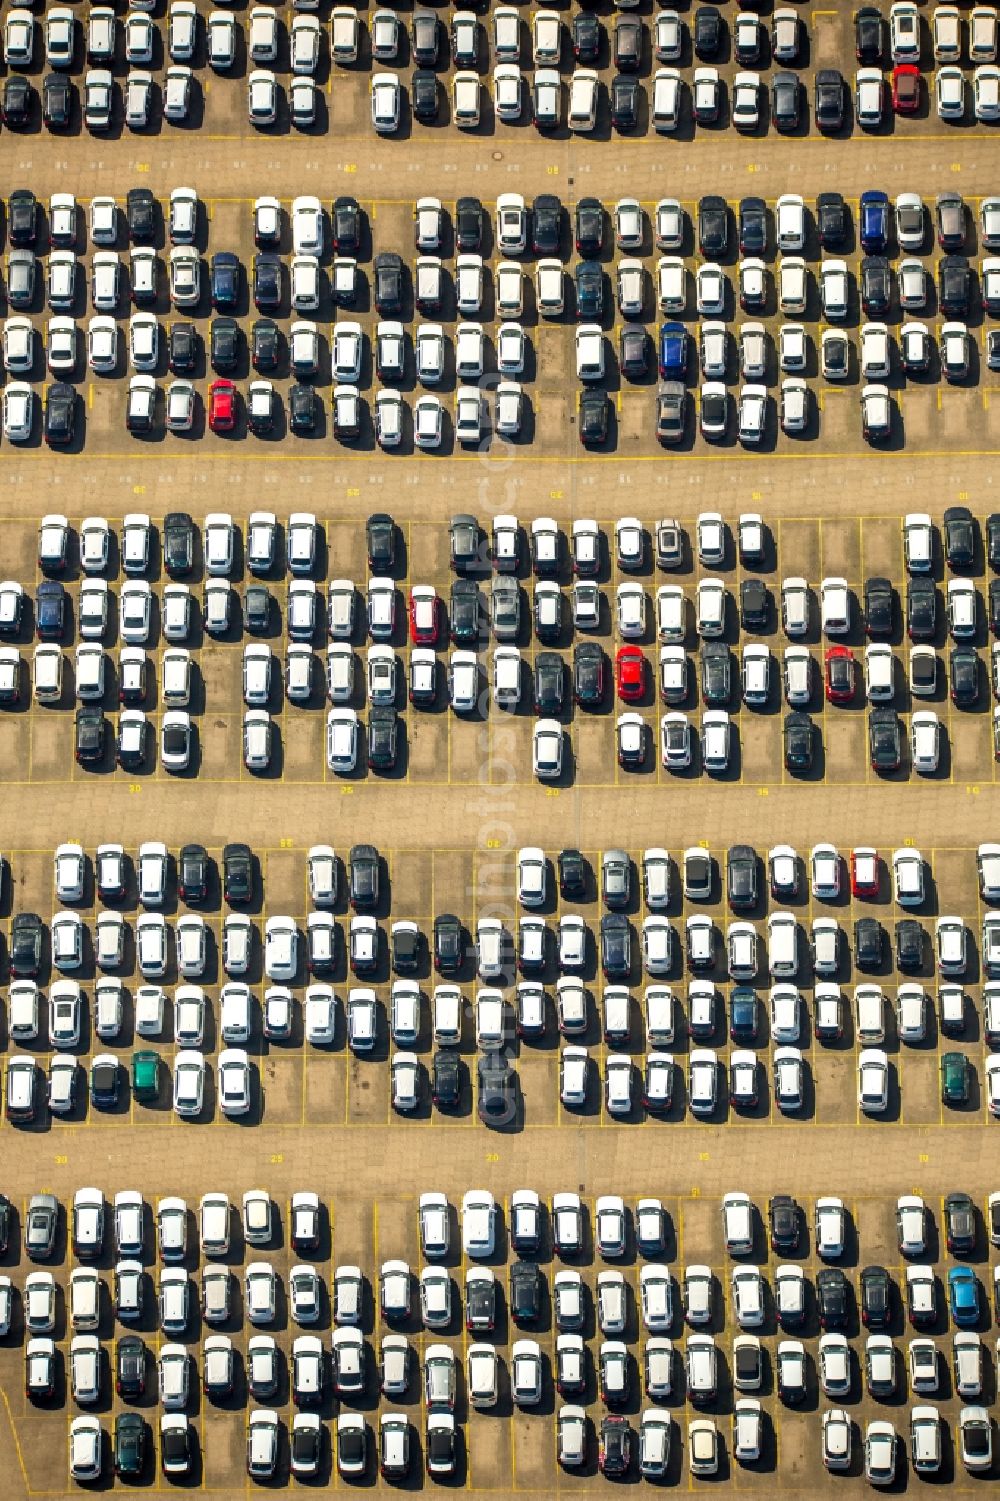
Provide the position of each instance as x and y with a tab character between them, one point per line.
40	1226
21	270
671	410
505	608
616	878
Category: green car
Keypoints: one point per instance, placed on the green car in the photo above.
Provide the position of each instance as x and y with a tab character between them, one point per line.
954	1079
130	1444
146	1075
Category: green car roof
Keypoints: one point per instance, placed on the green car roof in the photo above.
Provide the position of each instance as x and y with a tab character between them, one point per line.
145	1071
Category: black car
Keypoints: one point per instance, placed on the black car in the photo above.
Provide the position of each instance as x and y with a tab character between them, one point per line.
525	1292
546	224
876	1297
616	946
468	224
589	279
193	870
960	1224
963	673
753	226
784	1224
267	281
994	606
383	729
426	38
407	947
388	283
593	418
60	413
548	696
265	345
993	540
921	609
176	1449
140	213
624	101
480	1305
257	609
754	604
628	43
572	875
713	226
786	101
424	95
105	1082
345	224
869	943
17	98
26	945
446	1079
959	537
707	32
741	877
449	948
302	403
868	36
828	101
909	941
878	607
380	536
587	33
131	756
305	1449
495	1093
237	873
744	1013
22	217
616	1445
182	348
589	229
91	736
224	273
797	735
130	1444
832	1297
130	1367
463	612
588	674
954	284
57	100
831	219
50	610
6	1217
716	672
224	344
363	877
876	284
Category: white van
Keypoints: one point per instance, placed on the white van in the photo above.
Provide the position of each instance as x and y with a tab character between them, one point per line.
489	1019
792	284
659	1001
869	1010
176	677
782	945
47	673
583	100
214	1209
22	1011
89	672
234	1013
447	1009
617	1005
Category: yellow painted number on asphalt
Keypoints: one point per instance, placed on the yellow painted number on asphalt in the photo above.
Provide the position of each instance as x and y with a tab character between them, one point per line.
492	844
702	1156
286	844
277	1158
696	1193
350	166
135	786
555	495
973	790
347	791
138	489
552	171
923	1157
354	490
61	1160
762	792
492	1156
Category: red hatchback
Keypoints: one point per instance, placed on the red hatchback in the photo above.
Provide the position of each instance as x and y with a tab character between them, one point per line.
840	674
425	615
906	89
222	406
630	672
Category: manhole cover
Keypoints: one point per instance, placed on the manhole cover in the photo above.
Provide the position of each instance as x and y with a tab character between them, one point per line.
497	156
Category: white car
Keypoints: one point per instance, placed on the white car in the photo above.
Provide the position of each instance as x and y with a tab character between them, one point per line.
547	748
752	413
949	93
710	284
834	289
745	101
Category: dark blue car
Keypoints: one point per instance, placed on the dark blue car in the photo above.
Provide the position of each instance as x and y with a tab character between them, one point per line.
589	291
50	611
267	281
874	222
673	351
743	1014
225	280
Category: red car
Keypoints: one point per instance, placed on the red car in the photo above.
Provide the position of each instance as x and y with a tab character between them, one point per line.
425	615
864	872
906	89
222	406
630	672
840	674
